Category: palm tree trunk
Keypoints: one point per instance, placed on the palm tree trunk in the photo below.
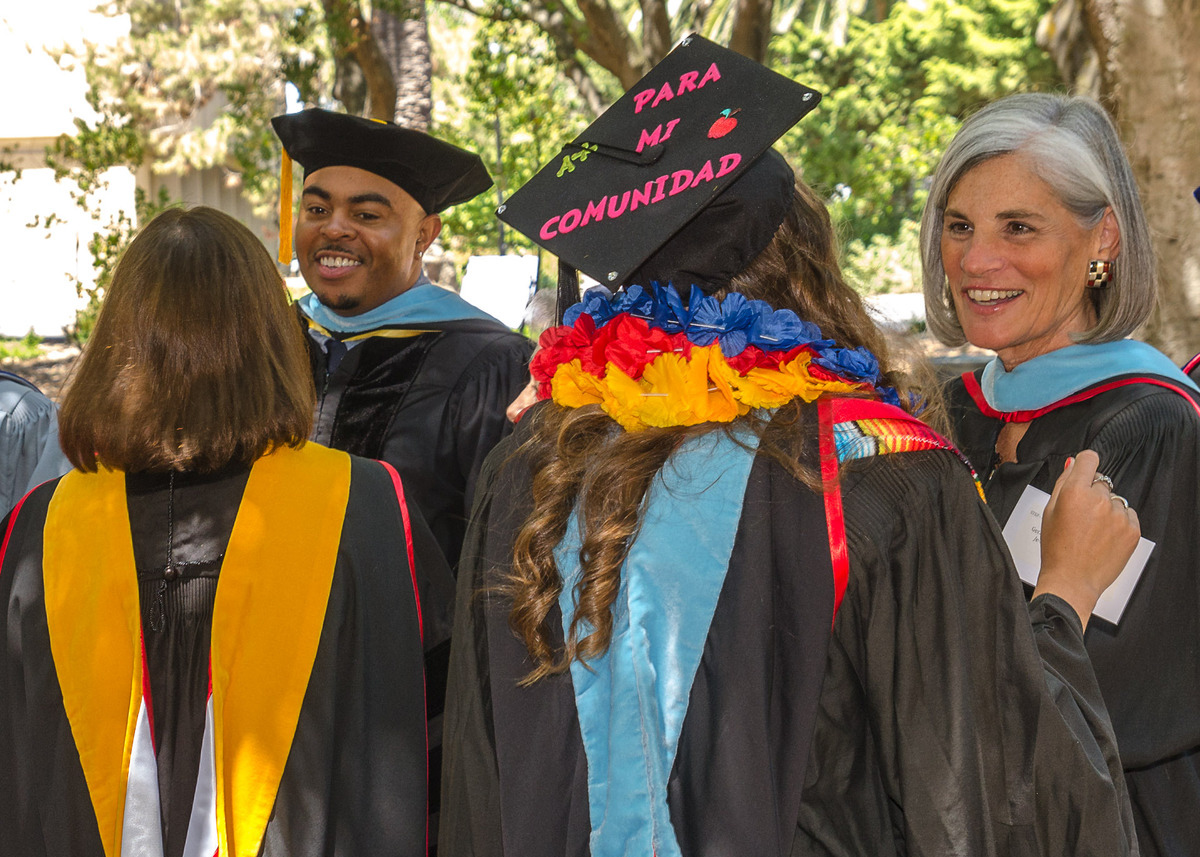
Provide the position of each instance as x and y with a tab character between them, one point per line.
404	42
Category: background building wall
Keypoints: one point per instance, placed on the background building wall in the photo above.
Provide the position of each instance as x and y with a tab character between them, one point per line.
44	234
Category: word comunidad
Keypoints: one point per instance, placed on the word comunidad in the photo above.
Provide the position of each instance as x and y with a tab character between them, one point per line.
656	190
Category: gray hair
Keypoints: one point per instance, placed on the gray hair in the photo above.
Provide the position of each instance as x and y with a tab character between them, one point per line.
1070	143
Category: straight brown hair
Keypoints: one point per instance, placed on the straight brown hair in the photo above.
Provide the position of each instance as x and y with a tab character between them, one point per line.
196	361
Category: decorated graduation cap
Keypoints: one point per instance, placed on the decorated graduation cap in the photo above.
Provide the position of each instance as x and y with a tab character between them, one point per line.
674	180
435	173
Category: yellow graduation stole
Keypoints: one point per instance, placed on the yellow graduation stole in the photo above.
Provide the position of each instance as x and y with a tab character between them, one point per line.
270	607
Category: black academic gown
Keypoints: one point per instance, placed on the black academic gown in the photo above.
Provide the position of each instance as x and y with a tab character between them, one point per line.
926	723
1148	439
355	779
430	405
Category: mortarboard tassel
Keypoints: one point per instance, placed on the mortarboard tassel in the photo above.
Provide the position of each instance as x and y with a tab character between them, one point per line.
568	290
285	210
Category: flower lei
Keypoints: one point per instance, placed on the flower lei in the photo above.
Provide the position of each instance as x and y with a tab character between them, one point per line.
649	361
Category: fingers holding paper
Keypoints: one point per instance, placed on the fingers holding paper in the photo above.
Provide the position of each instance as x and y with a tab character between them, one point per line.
1088	535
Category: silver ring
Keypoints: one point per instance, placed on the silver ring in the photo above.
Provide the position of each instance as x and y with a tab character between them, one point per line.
1100	477
1124	502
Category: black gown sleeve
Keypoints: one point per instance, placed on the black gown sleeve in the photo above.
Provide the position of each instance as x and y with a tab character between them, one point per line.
952	721
356	782
434	582
477	406
1149	665
40	772
470	788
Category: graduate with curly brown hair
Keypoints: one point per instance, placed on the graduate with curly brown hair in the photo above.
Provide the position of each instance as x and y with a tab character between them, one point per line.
724	594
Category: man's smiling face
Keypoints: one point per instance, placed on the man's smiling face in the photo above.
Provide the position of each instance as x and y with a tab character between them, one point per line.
359	238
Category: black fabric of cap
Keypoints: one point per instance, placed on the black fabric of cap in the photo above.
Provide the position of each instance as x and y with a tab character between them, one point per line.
721	240
435	173
675	145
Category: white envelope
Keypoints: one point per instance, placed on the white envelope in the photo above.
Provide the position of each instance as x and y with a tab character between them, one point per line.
1023	533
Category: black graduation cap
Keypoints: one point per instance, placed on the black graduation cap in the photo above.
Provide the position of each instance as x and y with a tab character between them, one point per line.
435	173
679	141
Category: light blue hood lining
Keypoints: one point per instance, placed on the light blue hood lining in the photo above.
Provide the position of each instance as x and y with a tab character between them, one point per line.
632	701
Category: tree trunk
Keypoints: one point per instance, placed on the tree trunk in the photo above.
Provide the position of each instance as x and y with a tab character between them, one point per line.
1063	33
404	41
656	32
1149	78
1150	73
605	39
752	28
354	43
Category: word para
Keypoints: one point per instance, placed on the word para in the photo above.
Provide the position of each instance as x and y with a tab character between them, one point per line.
687	83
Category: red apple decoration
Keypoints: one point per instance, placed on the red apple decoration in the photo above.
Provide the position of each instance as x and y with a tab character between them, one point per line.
723	125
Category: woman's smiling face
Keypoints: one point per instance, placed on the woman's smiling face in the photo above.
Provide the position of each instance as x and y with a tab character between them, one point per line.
1016	260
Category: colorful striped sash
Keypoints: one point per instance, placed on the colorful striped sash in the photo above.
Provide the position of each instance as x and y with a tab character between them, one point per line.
852	429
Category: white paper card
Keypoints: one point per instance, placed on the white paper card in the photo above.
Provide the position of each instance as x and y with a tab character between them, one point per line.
1023	532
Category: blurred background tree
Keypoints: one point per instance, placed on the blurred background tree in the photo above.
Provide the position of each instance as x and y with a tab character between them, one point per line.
511	106
896	91
196	81
1140	59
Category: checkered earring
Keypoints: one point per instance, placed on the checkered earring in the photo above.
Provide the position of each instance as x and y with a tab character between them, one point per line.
1099	273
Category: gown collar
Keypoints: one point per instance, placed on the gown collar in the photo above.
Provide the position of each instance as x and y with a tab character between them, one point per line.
423	304
1049	378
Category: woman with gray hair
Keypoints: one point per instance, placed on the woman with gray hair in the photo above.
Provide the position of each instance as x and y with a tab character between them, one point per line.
1035	246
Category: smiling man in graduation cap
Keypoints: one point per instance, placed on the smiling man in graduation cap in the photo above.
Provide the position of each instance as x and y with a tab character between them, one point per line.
671	642
406	372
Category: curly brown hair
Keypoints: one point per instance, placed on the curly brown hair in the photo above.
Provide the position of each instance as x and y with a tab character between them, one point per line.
581	458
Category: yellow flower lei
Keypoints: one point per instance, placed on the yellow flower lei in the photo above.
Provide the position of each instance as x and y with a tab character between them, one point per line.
674	391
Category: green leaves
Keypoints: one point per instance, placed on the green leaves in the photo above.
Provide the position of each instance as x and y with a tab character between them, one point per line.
516	110
895	93
194	84
197	80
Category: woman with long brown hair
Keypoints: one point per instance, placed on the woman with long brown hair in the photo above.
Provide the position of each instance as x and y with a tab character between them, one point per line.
722	598
212	629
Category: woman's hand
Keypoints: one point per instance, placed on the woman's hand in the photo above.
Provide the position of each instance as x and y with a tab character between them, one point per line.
526	399
1088	534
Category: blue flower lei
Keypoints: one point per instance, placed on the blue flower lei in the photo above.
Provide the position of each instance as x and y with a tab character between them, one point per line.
735	323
